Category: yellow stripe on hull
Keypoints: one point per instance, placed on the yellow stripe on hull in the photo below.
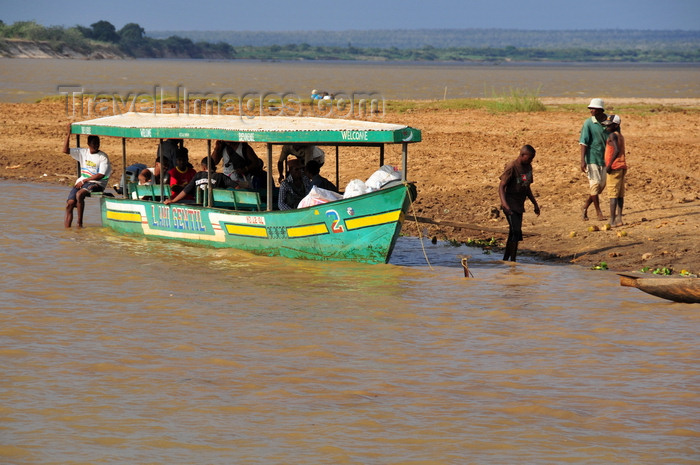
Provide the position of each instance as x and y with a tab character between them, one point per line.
373	220
250	231
124	216
305	231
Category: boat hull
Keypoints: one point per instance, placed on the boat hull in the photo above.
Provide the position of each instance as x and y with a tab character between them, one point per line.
361	229
676	289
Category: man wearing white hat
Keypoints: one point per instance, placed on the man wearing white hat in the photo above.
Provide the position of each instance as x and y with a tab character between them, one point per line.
592	142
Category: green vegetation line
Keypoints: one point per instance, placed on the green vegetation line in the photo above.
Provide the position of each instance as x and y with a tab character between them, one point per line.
132	42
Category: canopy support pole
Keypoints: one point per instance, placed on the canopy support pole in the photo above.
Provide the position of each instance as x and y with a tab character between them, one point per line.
77	144
162	173
404	161
210	193
337	167
269	177
124	187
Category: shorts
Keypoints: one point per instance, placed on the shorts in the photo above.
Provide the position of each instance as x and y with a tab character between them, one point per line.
88	186
515	226
596	178
616	186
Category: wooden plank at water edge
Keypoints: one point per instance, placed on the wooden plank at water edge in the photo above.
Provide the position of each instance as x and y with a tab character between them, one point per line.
474	227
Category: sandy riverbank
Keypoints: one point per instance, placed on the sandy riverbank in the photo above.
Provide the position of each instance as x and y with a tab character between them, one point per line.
457	165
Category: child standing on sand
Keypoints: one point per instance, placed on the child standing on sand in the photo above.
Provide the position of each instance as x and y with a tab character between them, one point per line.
616	167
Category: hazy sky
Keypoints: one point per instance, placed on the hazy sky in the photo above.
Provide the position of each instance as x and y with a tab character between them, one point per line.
294	15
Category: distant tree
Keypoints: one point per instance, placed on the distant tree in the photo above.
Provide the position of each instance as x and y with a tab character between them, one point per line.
131	39
24	30
104	31
75	40
85	31
132	33
217	50
180	46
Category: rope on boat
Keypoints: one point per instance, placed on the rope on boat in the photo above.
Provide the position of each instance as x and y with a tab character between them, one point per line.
420	236
465	265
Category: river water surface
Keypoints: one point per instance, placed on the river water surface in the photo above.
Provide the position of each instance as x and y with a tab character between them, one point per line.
118	350
30	79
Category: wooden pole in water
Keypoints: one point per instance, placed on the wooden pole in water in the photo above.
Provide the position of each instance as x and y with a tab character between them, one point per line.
465	265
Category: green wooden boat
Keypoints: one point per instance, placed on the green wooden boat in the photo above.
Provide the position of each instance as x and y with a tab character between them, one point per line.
362	228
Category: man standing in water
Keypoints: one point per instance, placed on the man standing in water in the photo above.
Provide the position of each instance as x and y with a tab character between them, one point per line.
513	190
95	169
592	142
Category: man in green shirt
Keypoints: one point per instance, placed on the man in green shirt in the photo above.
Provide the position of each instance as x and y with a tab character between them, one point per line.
592	142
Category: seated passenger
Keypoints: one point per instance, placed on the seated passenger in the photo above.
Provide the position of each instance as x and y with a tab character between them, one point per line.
313	170
164	169
145	177
295	187
240	163
200	180
305	152
130	176
182	174
169	148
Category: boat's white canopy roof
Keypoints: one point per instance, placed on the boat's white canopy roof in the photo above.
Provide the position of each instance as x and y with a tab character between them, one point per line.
271	129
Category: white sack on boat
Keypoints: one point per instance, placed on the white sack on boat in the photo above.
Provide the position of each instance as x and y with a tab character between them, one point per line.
382	176
354	188
317	196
